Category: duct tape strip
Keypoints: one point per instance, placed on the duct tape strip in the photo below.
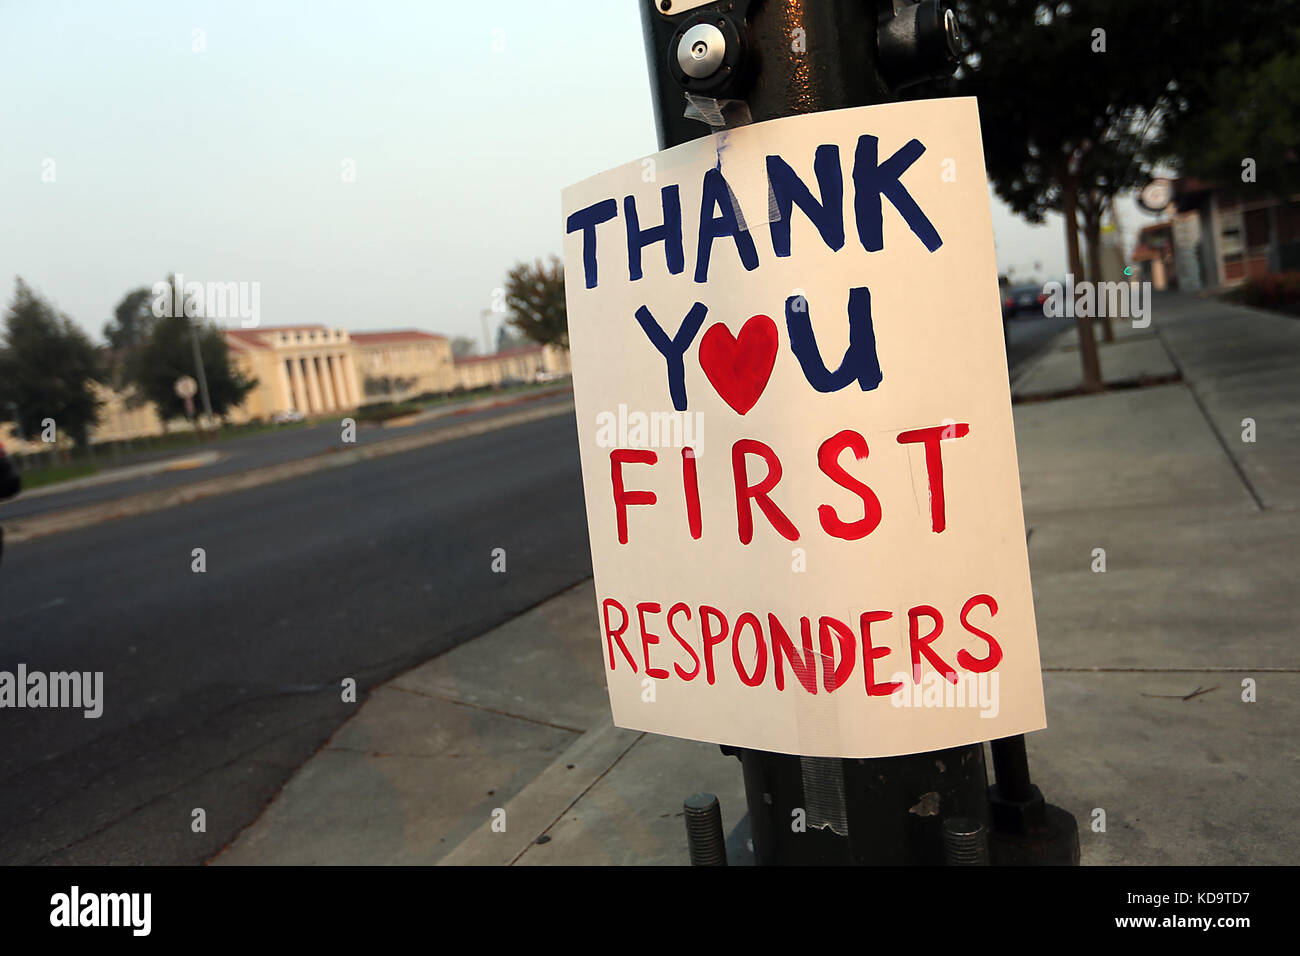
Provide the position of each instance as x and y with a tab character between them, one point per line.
823	777
717	114
721	116
823	792
817	724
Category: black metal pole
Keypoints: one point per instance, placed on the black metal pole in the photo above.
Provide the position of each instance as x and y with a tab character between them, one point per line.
1011	767
1026	829
798	57
835	69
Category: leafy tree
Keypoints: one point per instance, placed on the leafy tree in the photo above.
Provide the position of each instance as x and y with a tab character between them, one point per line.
462	346
1065	107
535	299
1249	108
126	332
169	353
1113	84
508	338
1075	98
47	366
132	320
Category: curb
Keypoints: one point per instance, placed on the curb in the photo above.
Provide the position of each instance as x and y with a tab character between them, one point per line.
127	472
1066	341
543	802
1029	364
151	501
480	405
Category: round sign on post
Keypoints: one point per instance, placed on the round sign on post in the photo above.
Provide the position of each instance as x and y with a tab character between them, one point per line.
186	388
1156	195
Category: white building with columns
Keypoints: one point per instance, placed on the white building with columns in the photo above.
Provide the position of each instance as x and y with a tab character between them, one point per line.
308	368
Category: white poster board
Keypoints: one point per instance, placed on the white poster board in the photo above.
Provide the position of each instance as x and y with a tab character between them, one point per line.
796	437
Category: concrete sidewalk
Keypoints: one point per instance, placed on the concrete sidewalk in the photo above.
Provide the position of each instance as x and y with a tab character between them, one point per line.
1135	357
1144	663
516	720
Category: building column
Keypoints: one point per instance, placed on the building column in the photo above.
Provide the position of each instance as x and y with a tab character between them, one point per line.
300	400
340	386
349	389
313	383
285	385
350	373
323	373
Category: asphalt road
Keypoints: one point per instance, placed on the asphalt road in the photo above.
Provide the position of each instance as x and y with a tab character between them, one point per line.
218	685
253	451
1026	336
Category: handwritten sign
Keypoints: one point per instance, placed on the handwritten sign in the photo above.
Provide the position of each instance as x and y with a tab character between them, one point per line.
796	438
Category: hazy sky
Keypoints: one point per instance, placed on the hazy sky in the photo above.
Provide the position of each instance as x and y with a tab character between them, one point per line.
226	163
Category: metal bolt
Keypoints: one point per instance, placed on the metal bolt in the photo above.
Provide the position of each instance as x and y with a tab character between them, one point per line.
952	31
701	50
965	842
704	837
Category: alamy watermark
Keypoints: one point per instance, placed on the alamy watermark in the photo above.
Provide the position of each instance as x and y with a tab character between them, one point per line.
76	908
211	300
36	689
934	690
1118	300
624	429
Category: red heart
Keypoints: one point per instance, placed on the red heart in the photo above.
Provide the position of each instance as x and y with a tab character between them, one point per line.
740	367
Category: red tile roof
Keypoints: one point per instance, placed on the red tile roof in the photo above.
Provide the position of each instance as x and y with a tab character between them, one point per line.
255	338
396	335
243	338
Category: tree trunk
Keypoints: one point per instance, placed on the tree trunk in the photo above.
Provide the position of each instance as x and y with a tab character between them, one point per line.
1092	234
1087	344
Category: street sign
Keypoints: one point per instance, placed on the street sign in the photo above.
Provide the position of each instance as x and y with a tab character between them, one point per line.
797	446
1156	195
186	387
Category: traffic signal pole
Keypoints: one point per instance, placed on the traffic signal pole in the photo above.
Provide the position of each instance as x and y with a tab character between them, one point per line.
727	63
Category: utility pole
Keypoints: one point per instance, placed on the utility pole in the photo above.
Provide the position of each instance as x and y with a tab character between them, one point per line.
731	62
198	370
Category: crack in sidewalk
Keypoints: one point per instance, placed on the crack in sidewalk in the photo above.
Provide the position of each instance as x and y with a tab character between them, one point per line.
1205	413
485	709
576	800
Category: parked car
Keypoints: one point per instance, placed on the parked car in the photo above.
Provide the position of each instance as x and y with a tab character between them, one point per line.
11	482
1023	298
288	416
